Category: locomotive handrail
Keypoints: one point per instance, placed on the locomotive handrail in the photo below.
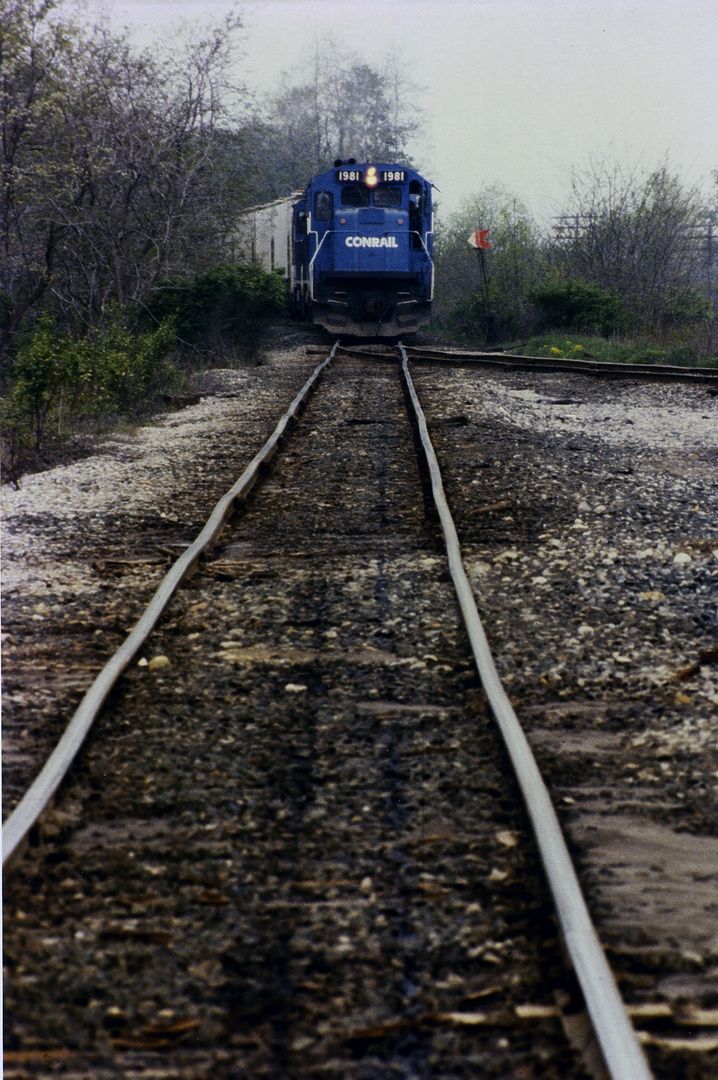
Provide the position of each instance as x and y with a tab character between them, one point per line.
429	232
622	1053
41	791
415	232
315	234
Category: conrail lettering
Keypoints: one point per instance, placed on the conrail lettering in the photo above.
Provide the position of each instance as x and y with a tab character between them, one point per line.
371	241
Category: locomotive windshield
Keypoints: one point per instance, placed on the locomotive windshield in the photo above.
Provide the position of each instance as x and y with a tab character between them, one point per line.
355	195
387	196
358	195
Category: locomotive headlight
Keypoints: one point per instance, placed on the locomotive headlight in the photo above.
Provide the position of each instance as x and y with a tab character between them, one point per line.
371	178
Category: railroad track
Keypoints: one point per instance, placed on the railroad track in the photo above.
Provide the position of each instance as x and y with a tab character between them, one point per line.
587	366
312	835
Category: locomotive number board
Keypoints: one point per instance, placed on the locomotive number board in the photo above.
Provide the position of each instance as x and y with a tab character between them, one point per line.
356	176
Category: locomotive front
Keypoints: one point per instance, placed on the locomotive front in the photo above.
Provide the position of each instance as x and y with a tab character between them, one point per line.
362	250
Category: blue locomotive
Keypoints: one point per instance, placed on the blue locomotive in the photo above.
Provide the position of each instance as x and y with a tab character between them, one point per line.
362	249
356	248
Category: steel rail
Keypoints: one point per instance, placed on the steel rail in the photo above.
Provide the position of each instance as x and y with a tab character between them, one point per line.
622	1053
507	361
41	791
669	372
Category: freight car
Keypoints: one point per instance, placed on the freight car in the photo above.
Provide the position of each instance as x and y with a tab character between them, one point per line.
356	246
264	234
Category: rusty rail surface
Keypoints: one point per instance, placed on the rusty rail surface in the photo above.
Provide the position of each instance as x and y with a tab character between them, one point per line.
515	362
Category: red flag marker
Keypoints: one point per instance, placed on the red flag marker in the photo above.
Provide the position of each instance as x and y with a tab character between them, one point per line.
478	239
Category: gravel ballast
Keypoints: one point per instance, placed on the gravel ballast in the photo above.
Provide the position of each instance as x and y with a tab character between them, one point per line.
586	511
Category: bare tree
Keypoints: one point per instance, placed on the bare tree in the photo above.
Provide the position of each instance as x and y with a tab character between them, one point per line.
336	104
629	232
35	53
106	161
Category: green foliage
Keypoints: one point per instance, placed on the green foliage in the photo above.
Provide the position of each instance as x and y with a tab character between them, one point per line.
230	301
629	351
683	306
57	383
122	371
513	264
684	355
470	317
581	305
40	369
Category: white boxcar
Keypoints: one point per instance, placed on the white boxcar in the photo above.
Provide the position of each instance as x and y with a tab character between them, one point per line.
264	235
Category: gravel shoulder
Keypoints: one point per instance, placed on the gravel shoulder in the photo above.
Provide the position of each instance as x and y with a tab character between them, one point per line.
589	532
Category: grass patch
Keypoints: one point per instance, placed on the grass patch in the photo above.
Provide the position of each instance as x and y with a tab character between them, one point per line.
562	345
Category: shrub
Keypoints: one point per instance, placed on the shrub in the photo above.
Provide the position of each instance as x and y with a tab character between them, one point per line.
122	371
42	367
581	305
685	306
56	383
229	301
468	316
686	355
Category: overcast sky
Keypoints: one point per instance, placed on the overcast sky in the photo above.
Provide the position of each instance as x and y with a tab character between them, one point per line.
517	91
